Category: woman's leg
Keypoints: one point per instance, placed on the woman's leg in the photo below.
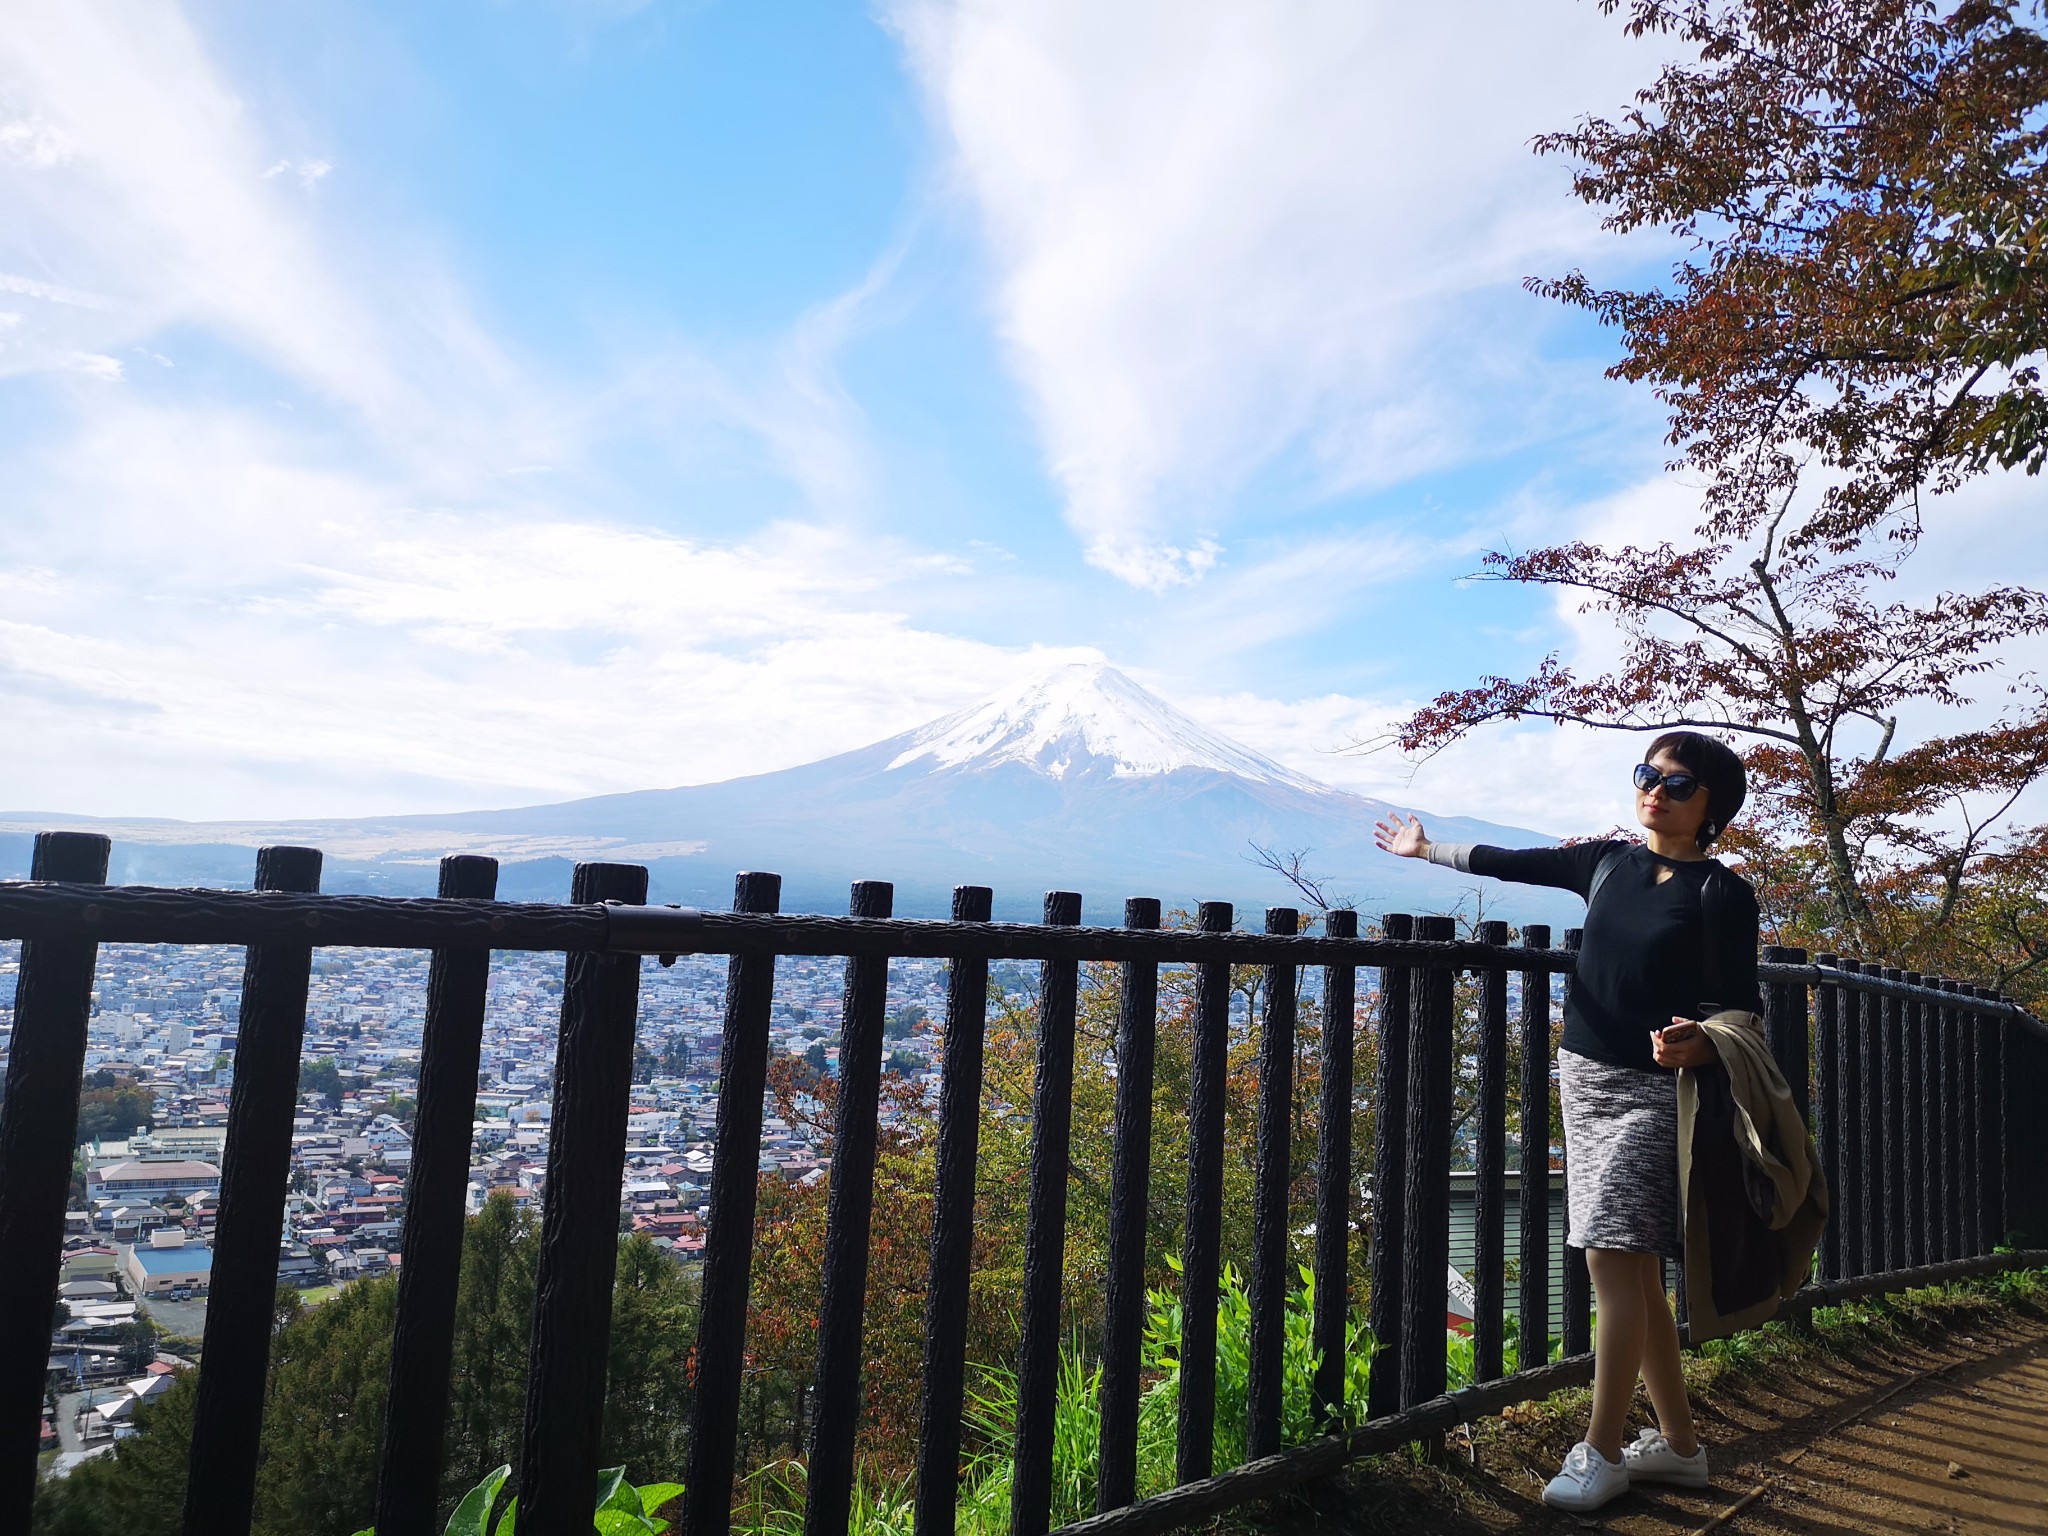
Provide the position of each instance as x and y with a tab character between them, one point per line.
1662	1373
1619	1290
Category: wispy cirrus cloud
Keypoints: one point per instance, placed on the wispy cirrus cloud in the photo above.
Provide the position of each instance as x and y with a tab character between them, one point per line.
160	202
1228	237
53	293
276	585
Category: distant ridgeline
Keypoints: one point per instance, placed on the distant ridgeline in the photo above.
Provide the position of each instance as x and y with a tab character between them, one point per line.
1077	779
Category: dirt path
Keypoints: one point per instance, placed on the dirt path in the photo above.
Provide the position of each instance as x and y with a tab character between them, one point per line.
1966	1451
1923	1439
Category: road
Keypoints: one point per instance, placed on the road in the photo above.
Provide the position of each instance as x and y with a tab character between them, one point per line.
68	1404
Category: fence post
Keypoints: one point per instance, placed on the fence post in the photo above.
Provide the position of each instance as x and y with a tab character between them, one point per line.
1427	1240
1389	1175
1896	1217
1869	1172
1534	1329
1489	1210
1785	1025
1201	1243
952	1241
1578	1282
1992	1117
1827	1110
1950	1155
1130	1190
850	1206
1973	1098
729	1241
1269	1200
227	1415
423	1335
1933	1034
2026	1149
1912	1127
1923	1036
1052	1111
38	1135
579	1226
2016	1086
1333	1175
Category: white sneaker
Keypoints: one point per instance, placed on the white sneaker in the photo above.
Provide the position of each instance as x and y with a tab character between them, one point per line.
1587	1481
1651	1460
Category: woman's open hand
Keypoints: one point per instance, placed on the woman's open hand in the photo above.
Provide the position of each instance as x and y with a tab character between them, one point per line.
1682	1043
1403	836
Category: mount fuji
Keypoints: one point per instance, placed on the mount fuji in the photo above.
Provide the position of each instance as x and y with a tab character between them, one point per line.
1077	779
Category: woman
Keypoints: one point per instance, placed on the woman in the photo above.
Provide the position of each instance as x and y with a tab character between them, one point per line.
1657	941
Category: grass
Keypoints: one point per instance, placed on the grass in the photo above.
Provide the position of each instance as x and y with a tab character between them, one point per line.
1837	1330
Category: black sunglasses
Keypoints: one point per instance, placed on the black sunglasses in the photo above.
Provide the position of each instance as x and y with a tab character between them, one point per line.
1677	786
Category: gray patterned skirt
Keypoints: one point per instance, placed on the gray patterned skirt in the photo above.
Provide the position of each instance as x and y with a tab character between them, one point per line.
1620	1156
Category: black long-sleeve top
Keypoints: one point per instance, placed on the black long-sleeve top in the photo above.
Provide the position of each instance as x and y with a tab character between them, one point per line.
1643	959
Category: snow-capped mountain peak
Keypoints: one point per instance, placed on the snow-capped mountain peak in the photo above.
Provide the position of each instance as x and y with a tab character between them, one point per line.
1085	718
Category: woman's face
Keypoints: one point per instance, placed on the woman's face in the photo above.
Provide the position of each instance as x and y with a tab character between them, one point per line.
1679	819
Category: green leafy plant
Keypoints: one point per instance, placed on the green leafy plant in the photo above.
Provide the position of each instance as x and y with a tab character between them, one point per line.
1458	1352
1299	1362
622	1509
472	1516
1077	1417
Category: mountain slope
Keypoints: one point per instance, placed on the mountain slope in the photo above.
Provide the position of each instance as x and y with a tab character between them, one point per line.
1078	778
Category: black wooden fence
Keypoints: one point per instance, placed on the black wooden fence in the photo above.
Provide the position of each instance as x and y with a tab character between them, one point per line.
1926	1095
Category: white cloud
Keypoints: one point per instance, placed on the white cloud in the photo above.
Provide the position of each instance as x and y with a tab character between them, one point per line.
1230	235
1565	783
425	598
1568	779
52	293
32	142
187	650
306	172
95	365
173	206
162	202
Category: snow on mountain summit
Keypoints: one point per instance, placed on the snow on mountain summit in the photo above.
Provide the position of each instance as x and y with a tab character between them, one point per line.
1086	717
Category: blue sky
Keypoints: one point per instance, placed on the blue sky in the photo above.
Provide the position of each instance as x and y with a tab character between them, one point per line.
411	407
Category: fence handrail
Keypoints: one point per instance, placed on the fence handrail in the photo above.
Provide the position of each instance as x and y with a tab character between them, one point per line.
169	915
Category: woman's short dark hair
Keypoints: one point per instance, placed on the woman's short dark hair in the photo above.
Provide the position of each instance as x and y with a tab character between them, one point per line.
1717	766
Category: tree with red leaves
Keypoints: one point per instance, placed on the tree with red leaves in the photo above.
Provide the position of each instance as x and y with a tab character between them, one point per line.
1866	184
1859	326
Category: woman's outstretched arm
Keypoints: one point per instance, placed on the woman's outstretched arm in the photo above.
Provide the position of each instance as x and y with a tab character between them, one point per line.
1568	868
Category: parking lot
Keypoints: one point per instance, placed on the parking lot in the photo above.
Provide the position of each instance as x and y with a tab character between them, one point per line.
182	1317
